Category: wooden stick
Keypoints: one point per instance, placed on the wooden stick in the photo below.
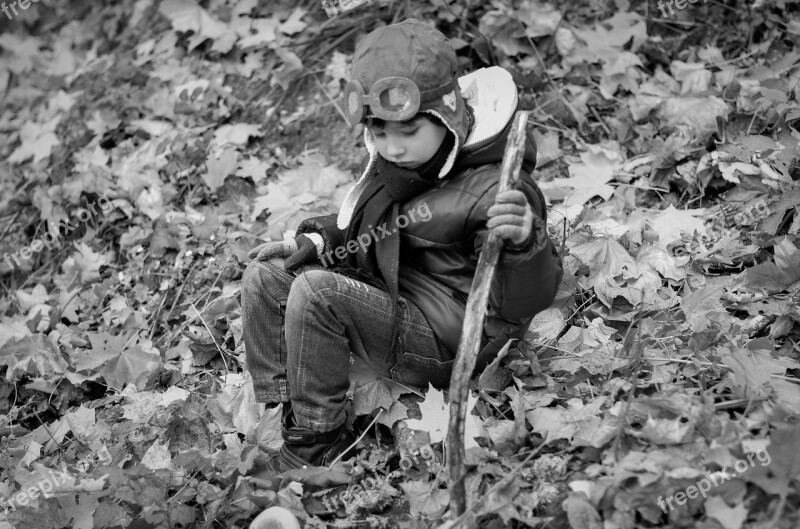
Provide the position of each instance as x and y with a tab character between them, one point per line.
469	345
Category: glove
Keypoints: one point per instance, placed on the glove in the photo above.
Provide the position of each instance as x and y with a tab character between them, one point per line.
270	249
298	251
306	253
512	218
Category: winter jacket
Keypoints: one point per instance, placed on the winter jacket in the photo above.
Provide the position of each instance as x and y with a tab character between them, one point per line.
438	258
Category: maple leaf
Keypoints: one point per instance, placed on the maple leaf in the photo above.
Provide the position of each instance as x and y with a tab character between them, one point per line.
238	134
158	456
729	517
588	178
426	498
563	423
703	306
133	365
81	421
436	418
696	115
235	406
87	262
294	23
605	44
613	272
31	354
37	141
13	328
255	168
671	223
121	365
781	466
787	259
581	514
371	396
187	15
259	32
372	392
140	407
291	68
547	149
220	165
24	49
268	432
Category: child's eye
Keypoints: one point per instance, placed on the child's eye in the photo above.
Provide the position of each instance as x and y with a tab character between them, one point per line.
378	134
410	132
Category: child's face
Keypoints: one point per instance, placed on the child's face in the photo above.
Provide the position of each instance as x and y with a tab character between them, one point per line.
408	144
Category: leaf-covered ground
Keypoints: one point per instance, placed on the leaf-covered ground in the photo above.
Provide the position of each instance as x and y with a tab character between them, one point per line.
148	145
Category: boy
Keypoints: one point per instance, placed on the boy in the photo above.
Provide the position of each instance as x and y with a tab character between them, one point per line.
396	291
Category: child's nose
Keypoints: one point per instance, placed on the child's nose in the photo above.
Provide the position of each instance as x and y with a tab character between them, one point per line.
394	148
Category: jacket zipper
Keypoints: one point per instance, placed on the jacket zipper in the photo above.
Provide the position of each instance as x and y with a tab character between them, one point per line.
472	148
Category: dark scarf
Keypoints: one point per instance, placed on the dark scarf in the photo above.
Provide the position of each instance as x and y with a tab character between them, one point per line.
379	205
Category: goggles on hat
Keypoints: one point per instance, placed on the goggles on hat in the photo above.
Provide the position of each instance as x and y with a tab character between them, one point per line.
390	98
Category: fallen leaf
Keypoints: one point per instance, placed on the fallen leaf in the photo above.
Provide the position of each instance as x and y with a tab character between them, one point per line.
158	457
426	498
220	165
729	517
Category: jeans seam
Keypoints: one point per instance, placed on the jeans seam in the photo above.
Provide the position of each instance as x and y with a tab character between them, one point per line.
270	264
301	364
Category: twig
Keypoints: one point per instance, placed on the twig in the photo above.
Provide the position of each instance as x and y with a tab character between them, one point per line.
210	290
737	402
469	344
600	120
790	379
417	393
335	104
627	344
221	353
374	420
180	291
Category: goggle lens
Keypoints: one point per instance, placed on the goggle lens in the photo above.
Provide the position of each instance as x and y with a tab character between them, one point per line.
395	99
353	102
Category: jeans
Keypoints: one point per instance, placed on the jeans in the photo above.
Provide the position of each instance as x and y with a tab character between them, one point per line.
299	331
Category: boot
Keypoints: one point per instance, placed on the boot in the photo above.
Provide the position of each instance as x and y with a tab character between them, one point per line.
303	448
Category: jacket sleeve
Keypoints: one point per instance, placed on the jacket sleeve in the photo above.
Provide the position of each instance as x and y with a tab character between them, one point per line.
526	279
326	226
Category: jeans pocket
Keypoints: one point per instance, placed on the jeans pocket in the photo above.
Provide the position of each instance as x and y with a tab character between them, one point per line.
417	370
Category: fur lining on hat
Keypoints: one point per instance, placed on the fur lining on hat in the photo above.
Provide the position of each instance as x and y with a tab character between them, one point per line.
492	94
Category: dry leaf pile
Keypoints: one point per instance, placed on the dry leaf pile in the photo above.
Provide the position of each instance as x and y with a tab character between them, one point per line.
147	146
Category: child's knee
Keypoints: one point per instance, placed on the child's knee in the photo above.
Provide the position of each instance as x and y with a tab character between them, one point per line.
310	283
259	275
